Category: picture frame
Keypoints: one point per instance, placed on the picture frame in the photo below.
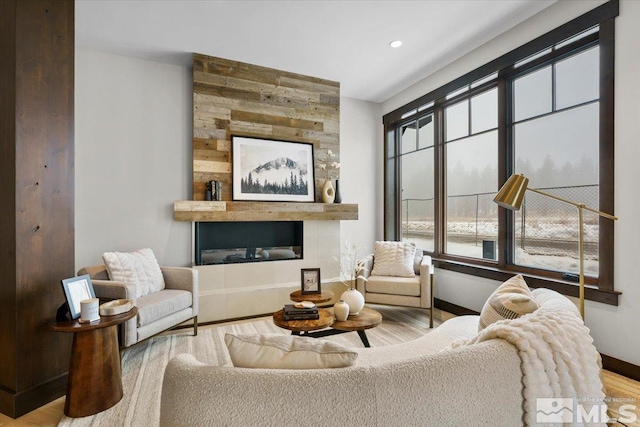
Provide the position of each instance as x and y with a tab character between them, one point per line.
272	170
75	290
310	281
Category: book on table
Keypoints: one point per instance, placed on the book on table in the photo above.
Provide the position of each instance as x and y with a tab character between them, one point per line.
291	312
310	316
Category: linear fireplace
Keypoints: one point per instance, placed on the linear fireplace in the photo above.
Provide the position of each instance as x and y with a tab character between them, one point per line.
256	241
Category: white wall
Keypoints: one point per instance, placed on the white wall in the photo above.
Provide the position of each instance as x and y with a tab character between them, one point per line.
614	328
361	175
132	157
545	21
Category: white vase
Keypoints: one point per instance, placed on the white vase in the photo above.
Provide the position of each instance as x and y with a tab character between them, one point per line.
341	311
355	300
328	193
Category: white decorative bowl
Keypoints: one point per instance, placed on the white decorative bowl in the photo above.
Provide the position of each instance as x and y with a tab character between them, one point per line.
114	307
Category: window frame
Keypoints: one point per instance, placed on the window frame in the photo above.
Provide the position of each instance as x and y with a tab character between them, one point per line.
598	289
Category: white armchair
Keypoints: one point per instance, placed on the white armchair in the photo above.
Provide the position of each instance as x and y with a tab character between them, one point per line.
157	311
404	291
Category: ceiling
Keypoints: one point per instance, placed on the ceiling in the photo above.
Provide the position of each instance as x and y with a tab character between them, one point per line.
345	41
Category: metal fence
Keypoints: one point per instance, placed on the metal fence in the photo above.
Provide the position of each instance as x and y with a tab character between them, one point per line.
543	226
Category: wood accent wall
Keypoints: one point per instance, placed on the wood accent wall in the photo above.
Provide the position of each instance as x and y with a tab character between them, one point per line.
234	98
36	198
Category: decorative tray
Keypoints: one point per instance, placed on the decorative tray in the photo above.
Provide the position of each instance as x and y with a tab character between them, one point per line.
114	307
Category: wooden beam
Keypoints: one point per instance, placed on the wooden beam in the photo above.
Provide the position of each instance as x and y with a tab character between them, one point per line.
203	211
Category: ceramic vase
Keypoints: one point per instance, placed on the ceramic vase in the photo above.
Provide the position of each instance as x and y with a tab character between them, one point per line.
355	300
328	193
338	198
341	311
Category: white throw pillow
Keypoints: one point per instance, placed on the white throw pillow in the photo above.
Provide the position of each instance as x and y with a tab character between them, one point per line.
393	259
511	300
417	260
278	351
139	267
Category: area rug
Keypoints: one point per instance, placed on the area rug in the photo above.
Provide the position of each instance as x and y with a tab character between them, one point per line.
143	364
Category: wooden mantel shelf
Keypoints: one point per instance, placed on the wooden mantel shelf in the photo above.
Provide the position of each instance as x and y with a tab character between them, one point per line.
201	211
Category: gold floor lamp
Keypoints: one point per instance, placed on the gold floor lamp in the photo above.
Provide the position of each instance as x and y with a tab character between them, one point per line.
511	195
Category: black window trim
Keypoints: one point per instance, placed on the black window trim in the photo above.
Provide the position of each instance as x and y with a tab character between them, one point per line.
604	17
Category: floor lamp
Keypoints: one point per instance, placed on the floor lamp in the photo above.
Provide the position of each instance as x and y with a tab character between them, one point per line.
511	195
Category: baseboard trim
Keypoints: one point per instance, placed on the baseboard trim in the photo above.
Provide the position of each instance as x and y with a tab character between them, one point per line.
16	405
453	308
621	367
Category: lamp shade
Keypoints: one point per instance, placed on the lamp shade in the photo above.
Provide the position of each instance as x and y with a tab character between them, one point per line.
512	192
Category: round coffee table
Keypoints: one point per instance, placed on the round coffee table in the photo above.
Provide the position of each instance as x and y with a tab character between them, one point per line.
325	320
298	296
95	374
367	319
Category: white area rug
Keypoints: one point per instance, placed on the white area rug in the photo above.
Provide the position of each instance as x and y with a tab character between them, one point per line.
143	365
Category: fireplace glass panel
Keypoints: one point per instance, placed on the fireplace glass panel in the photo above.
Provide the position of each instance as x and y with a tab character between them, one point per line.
240	242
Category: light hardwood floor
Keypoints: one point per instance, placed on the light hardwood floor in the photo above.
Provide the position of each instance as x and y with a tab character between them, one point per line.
620	389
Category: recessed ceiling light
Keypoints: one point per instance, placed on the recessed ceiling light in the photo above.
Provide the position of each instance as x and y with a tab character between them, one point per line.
395	43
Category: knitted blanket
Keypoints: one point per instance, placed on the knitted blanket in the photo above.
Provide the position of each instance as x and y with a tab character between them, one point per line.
558	357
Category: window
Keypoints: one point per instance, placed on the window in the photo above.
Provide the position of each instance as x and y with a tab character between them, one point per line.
416	165
544	110
556	145
471	153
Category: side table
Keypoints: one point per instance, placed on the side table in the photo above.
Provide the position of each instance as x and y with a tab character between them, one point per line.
367	319
324	296
325	320
95	373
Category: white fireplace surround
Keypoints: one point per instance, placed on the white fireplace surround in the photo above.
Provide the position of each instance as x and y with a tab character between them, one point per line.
232	291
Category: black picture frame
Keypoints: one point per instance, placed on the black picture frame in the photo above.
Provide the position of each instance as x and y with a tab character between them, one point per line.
75	290
272	170
310	281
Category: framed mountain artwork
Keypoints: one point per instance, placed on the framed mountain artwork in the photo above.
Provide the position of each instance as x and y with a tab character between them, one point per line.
272	170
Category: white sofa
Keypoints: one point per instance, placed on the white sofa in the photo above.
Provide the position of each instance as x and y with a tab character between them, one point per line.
425	382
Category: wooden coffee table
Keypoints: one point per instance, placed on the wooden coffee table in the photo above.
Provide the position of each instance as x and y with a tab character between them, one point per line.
323	296
367	319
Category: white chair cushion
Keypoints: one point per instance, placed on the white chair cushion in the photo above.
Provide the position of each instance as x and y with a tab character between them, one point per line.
511	300
161	304
139	267
277	351
409	286
393	259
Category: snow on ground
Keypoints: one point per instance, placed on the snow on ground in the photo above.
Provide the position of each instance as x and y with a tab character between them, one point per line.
550	229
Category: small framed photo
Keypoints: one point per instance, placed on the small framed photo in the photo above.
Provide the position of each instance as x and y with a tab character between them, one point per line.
310	281
75	290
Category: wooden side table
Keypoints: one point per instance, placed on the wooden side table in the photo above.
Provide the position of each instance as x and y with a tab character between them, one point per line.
367	319
95	373
325	320
323	296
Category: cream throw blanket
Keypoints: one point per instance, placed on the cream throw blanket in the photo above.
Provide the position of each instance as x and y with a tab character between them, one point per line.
559	359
